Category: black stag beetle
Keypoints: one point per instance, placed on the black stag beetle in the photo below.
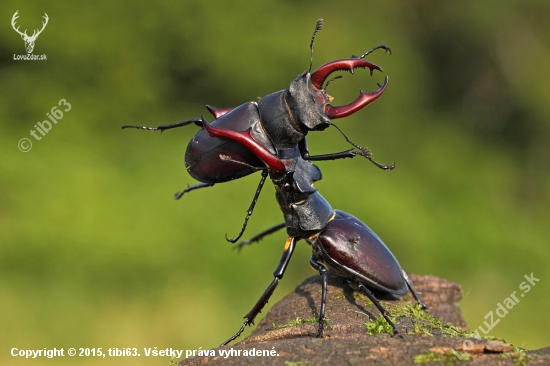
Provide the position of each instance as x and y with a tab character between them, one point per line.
280	120
340	242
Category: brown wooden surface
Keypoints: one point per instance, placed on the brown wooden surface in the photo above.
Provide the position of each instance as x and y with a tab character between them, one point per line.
348	342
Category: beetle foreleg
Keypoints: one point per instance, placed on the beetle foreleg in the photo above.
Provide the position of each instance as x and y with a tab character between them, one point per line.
197	121
250	209
415	293
278	274
302	145
376	303
323	272
332	156
364	152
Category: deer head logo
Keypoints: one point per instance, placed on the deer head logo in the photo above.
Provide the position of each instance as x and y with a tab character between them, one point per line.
29	40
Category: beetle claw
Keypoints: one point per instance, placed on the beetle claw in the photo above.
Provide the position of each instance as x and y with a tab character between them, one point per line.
363	100
319	76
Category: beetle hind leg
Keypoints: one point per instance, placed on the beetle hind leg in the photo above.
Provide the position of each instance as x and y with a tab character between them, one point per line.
376	303
323	272
415	293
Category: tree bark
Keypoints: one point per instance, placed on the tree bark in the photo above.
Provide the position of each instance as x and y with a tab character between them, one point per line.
287	334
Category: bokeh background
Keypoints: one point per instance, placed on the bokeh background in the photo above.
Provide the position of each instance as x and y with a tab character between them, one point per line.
94	252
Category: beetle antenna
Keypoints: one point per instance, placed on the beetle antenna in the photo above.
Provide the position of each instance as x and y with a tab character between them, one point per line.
254	168
364	151
318	27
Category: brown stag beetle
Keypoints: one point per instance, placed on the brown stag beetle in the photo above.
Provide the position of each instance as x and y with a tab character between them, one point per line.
340	242
280	120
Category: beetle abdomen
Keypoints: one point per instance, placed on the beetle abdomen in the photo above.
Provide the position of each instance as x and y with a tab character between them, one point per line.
214	160
351	249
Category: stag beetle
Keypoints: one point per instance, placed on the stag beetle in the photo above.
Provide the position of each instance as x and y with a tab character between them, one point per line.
270	136
280	120
340	242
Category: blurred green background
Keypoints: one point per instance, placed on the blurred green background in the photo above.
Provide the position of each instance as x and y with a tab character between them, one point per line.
94	252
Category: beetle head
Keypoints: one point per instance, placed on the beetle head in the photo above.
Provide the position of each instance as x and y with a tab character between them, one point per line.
308	100
308	103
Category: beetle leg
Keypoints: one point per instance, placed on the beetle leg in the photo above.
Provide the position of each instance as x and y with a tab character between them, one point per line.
304	152
332	156
250	209
189	188
363	151
323	272
161	128
376	303
382	46
260	236
278	275
415	293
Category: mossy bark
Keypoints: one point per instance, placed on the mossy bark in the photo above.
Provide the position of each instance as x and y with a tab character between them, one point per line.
440	337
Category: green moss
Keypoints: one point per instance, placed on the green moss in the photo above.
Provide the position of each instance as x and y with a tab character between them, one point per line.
338	295
300	321
379	326
419	329
519	357
425	323
299	363
449	357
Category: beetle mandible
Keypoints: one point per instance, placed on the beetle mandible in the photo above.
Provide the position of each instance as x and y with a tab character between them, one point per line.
280	120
